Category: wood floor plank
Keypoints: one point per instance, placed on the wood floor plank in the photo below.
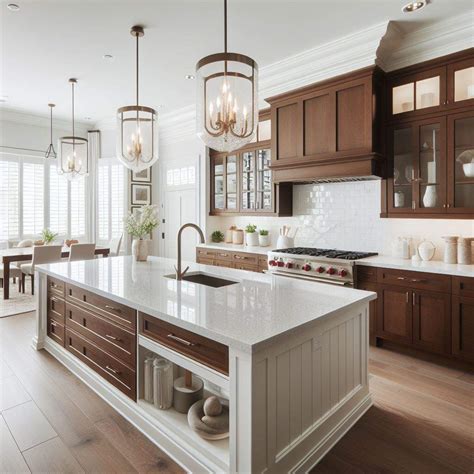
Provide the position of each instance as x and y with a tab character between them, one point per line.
28	425
11	460
52	456
12	393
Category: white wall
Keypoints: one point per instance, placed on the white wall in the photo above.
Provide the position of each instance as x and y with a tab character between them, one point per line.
346	216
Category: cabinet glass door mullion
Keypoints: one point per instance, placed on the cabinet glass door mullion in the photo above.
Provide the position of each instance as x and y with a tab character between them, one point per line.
219	184
231	183
248	194
264	180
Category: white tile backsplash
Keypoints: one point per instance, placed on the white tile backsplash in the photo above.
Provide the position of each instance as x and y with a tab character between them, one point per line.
347	216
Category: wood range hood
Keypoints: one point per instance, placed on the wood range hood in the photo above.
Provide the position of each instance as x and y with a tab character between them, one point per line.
330	131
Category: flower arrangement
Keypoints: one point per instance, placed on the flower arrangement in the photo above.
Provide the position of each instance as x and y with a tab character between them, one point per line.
141	223
48	236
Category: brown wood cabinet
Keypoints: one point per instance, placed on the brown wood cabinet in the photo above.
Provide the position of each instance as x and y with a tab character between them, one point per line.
429	132
427	311
330	129
231	259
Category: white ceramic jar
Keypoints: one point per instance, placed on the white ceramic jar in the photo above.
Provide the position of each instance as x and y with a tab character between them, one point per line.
450	248
251	239
465	250
426	250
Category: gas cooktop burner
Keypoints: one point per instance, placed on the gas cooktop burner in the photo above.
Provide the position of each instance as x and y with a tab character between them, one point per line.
327	253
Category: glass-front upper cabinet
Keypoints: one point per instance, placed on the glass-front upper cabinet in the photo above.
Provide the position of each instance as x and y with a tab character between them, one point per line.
461	163
231	182
403	170
461	83
218	184
418	92
264	180
248	180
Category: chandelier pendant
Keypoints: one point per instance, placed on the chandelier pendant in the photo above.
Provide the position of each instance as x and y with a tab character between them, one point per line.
73	160
50	151
137	146
227	115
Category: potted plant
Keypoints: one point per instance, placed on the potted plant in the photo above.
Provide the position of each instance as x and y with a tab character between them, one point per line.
217	236
263	238
251	236
140	225
47	236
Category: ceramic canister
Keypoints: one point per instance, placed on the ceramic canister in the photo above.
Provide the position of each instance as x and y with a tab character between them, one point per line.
238	236
465	250
450	248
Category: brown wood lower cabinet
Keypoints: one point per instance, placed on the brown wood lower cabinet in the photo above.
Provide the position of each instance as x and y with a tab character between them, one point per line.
251	262
431	312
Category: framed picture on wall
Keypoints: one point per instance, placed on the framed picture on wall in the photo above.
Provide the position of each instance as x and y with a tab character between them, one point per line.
141	194
143	176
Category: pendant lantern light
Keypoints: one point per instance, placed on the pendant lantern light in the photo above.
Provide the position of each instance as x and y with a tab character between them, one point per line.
50	151
73	151
137	146
227	102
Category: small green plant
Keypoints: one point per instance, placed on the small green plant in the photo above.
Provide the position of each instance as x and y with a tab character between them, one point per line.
263	232
48	236
250	229
141	223
217	236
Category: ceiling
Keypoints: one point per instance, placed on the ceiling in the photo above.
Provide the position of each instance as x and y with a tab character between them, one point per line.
48	41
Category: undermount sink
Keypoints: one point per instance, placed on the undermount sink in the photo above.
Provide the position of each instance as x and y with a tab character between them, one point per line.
204	279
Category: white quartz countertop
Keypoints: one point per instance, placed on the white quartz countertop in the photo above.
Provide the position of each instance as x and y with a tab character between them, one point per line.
433	266
245	316
236	248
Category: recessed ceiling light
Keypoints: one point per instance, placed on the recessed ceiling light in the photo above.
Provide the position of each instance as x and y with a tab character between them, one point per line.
108	57
413	6
13	7
190	76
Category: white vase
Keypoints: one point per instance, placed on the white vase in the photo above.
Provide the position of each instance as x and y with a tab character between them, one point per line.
251	239
140	249
426	250
399	198
430	197
264	240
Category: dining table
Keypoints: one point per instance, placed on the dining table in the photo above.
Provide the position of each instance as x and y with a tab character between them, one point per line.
20	254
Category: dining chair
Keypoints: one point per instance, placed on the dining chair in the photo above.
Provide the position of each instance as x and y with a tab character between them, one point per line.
115	245
41	254
81	252
14	273
20	245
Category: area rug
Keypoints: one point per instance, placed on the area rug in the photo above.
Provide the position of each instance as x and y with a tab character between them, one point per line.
18	302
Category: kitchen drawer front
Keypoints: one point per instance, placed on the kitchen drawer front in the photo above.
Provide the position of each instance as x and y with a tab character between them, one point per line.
55	331
56	287
247	258
222	263
56	308
418	280
116	312
262	263
205	261
245	266
104	334
366	274
214	254
463	286
208	352
108	367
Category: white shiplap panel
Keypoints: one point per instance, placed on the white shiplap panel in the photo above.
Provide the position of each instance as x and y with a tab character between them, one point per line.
283	400
342	361
308	374
295	392
357	349
317	384
334	366
350	354
260	424
326	370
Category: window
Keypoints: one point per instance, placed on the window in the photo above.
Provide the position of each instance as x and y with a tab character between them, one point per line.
33	196
181	176
111	178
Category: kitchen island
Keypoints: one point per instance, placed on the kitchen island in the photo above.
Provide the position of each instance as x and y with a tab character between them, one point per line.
289	356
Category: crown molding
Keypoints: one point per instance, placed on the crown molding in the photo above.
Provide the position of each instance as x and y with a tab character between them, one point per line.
399	49
15	116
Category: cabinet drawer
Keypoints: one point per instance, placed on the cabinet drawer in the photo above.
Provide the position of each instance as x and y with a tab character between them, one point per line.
116	312
104	334
55	331
248	258
215	254
463	286
205	261
366	274
108	367
56	308
262	263
208	352
418	280
245	266
56	287
223	263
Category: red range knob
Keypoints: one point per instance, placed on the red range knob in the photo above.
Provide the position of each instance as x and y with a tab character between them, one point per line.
272	263
331	271
343	272
306	267
320	269
280	263
289	264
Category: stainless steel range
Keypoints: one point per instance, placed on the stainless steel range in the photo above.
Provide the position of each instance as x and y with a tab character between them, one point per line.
324	265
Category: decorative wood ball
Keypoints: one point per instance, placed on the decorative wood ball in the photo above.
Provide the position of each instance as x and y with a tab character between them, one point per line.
212	406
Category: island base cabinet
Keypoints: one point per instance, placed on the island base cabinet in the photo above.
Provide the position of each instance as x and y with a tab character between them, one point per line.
463	327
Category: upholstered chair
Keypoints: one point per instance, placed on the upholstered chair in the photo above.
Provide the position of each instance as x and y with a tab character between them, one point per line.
81	252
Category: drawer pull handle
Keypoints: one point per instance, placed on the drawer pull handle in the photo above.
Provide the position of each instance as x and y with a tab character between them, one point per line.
401	278
54	299
417	280
181	340
113	308
53	324
113	338
117	372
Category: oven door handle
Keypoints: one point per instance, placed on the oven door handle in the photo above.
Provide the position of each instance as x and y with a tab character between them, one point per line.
314	279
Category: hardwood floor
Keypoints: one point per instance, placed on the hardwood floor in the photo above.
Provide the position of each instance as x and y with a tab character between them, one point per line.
422	420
